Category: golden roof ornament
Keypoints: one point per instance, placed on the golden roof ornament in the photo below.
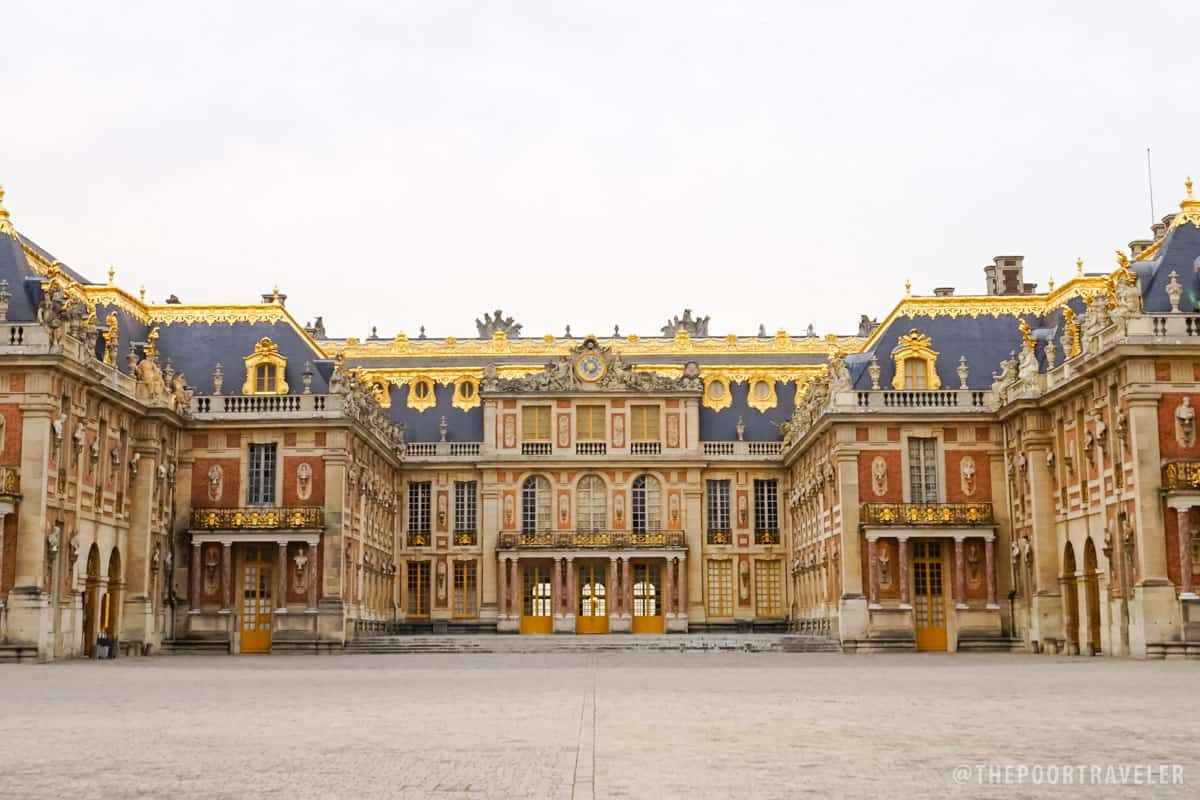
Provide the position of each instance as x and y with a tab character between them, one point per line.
112	274
5	222
907	288
1051	283
1027	336
1079	266
142	294
1189	209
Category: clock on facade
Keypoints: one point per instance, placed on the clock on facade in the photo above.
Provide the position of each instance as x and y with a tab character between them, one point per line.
590	367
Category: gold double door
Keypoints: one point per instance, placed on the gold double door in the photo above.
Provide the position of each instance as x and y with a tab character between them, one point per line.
929	602
537	597
647	597
591	611
256	603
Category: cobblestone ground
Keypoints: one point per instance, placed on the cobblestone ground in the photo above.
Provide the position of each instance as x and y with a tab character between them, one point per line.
635	725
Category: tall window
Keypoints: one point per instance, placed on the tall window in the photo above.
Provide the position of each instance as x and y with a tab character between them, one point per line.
589	424
591	504
644	424
914	374
922	470
465	589
718	512
260	485
768	588
535	504
535	424
766	512
418	588
464	506
720	589
646	512
418	506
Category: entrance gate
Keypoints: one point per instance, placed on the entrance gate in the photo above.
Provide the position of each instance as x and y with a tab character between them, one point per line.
256	603
647	598
537	598
592	616
929	607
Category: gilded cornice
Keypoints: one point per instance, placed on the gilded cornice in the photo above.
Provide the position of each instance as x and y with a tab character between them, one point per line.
629	347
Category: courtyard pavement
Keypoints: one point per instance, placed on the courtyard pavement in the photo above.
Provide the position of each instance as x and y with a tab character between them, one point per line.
612	725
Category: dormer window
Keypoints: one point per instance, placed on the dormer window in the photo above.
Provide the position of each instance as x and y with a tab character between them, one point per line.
914	374
265	370
916	363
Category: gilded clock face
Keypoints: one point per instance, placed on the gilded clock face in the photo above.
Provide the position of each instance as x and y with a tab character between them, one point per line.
589	367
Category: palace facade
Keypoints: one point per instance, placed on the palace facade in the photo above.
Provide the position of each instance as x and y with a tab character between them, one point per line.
1017	469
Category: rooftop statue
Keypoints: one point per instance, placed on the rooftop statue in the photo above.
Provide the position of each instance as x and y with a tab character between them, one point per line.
697	327
497	323
592	366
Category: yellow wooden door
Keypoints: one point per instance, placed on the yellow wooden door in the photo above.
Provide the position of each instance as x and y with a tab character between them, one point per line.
256	608
592	610
647	597
929	603
537	602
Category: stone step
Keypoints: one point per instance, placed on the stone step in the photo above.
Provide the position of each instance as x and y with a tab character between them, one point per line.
194	647
990	644
751	643
18	653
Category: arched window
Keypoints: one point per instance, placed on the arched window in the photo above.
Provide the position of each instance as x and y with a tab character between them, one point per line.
647	504
591	504
535	504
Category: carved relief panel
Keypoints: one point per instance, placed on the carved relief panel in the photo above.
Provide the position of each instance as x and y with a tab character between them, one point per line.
509	439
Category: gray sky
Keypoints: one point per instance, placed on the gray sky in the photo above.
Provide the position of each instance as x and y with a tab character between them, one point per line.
400	163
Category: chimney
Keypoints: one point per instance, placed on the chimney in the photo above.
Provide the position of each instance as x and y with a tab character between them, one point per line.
943	291
1006	276
1139	246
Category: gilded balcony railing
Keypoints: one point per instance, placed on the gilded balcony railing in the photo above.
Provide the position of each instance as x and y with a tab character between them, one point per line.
720	536
926	514
10	482
1181	475
257	519
418	538
570	540
766	536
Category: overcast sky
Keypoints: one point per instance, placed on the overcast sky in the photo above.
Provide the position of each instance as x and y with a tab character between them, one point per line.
402	164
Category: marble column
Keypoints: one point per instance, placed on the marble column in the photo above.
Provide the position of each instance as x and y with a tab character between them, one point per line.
989	554
226	576
281	580
502	587
960	583
311	567
905	599
872	575
610	586
3	518
571	587
194	579
681	590
667	600
1187	583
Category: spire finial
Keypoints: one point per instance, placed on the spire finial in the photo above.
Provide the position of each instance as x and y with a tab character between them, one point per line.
1079	266
112	274
1052	283
907	288
5	224
142	294
1187	184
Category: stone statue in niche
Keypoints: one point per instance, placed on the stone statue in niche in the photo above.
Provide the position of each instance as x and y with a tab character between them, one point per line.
966	470
744	580
508	510
879	481
883	555
1185	423
304	481
673	508
216	482
441	510
974	557
300	573
212	561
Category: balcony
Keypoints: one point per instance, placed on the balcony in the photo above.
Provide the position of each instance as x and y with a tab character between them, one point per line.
767	536
742	450
236	406
926	514
584	540
536	448
591	448
258	519
450	451
645	448
418	539
720	536
1183	475
466	538
961	399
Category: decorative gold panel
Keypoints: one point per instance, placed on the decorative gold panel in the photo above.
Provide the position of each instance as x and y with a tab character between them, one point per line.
716	393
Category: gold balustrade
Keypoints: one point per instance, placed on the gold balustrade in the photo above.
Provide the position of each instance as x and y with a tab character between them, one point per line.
947	514
257	519
591	540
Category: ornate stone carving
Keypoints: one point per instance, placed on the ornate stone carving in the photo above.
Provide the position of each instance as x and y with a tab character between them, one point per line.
963	371
1185	423
879	476
595	367
974	559
304	481
697	326
744	580
966	469
497	323
300	573
1174	291
883	555
212	562
873	370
